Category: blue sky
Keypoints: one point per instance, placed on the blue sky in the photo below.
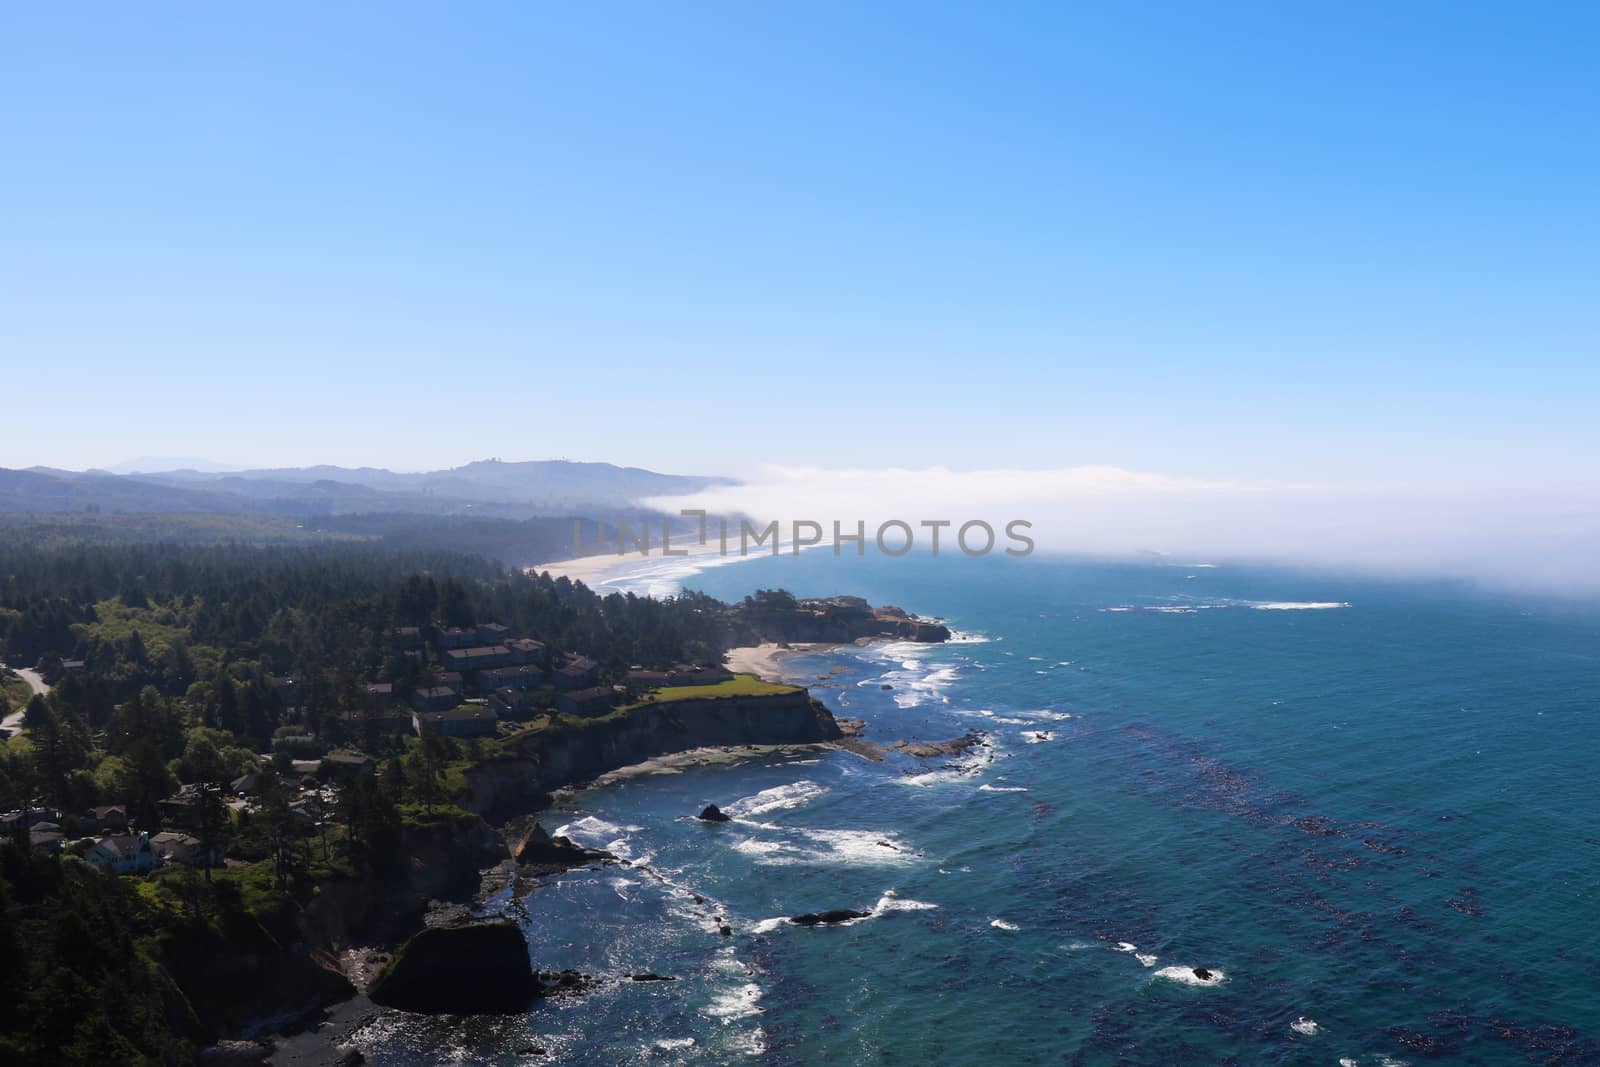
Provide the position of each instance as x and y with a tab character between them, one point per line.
1335	244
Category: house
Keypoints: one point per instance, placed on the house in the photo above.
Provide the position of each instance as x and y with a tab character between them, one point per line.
181	848
477	658
469	720
509	678
434	699
594	701
107	817
510	705
700	674
405	637
347	762
181	809
452	680
575	672
46	841
124	854
72	666
524	650
493	633
293	742
639	681
245	785
380	694
456	637
387	719
683	674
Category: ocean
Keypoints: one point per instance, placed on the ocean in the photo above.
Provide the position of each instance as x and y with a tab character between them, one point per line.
1365	809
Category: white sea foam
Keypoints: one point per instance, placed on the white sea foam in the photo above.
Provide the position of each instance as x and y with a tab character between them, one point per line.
931	778
738	1001
778	798
1186	976
1037	737
892	902
1001	924
766	926
856	847
1308	1027
962	637
1146	958
589	826
1291	605
987	788
1126	946
669	1044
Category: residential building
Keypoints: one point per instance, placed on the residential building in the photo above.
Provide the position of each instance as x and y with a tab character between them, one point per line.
575	672
434	699
593	701
477	658
124	854
468	720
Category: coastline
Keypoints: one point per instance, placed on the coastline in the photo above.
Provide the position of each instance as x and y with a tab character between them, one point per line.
763	660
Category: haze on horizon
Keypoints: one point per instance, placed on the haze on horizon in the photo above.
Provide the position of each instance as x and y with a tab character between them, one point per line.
1327	277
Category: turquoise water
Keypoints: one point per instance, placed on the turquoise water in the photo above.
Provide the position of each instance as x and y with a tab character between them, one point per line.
1371	819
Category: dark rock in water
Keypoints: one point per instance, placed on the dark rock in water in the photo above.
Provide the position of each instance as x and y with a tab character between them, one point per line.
352	1058
726	931
1202	974
561	983
651	976
712	813
837	915
478	969
885	685
530	1050
539	850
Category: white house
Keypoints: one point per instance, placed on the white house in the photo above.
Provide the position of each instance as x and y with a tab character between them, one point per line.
124	854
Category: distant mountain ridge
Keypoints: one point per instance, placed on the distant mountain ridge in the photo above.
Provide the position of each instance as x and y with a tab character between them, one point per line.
485	487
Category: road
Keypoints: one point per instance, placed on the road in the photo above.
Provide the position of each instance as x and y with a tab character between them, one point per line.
13	722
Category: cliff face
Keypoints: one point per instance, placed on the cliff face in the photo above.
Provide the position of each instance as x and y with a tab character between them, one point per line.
547	760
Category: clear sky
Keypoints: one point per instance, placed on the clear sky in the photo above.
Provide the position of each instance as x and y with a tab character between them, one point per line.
1331	243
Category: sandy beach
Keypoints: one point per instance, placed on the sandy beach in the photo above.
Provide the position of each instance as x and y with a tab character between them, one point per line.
652	569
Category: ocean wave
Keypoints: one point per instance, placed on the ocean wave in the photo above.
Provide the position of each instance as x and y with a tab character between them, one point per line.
1306	605
1037	737
890	901
738	1001
1001	924
866	848
987	788
1308	1027
594	829
778	798
1148	959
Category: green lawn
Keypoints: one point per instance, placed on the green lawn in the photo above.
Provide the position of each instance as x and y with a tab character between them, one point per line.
14	693
740	685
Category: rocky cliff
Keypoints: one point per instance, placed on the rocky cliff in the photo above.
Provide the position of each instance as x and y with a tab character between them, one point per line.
776	616
542	761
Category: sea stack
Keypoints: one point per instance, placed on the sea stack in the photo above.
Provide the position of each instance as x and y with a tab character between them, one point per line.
712	813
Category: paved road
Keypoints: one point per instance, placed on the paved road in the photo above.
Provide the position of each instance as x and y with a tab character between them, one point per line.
13	722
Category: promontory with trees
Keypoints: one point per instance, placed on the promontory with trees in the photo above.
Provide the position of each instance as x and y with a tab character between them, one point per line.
250	757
